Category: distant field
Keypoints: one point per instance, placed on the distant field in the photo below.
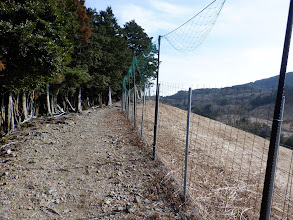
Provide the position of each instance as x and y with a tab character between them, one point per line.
226	165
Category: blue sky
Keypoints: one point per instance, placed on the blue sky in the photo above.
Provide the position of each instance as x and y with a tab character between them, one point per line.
245	44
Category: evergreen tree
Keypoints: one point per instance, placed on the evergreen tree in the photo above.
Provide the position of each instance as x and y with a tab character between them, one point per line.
76	73
137	39
141	46
33	42
58	48
108	53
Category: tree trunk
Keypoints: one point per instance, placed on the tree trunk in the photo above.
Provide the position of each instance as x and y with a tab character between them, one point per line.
48	101
79	107
2	116
110	97
32	104
64	105
27	107
88	102
61	110
5	126
24	106
17	116
100	99
68	102
140	93
10	118
52	104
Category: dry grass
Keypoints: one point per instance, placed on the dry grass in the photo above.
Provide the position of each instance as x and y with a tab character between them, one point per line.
226	165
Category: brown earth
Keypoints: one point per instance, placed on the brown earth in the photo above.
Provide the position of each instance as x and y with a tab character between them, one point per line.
226	165
84	166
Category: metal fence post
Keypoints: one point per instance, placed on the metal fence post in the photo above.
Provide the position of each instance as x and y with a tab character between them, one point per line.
126	100
134	97
157	101
156	121
267	196
125	103
132	104
269	183
122	101
187	143
142	114
128	104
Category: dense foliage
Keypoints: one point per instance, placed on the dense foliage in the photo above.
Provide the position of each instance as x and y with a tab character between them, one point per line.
52	50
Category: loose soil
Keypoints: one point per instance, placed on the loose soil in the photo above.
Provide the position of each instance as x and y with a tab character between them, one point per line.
226	165
84	166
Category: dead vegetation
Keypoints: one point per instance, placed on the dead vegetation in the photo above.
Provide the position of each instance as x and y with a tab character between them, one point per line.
226	165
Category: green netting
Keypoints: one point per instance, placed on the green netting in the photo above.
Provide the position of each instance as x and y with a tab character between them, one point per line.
190	35
140	64
187	37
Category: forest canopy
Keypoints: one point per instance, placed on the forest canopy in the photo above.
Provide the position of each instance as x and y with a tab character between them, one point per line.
58	55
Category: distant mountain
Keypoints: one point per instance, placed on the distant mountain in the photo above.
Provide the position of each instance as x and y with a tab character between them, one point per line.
241	105
272	82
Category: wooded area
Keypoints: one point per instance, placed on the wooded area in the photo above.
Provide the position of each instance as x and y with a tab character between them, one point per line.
58	56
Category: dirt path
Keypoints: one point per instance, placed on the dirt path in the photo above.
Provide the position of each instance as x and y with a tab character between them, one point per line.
86	166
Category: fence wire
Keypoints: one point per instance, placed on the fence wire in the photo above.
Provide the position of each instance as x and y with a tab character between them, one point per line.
229	140
190	35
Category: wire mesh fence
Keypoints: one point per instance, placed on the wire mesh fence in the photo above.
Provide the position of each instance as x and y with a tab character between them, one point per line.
229	141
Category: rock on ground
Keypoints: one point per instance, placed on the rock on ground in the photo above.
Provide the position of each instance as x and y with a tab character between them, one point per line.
84	166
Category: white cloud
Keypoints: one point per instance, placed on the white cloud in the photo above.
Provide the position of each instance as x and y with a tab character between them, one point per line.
245	44
169	9
147	18
156	16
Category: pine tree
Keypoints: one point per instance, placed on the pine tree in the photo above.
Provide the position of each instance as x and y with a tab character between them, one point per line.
141	47
33	42
108	54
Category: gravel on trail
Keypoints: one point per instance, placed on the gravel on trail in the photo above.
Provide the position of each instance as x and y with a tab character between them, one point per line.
84	166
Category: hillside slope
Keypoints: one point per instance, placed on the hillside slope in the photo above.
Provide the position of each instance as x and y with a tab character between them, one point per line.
226	165
241	105
272	82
